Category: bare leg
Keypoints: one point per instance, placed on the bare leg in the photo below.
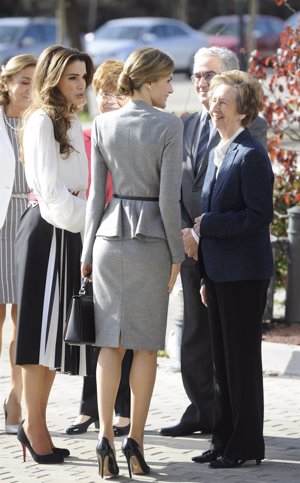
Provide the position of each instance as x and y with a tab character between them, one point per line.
108	380
13	400
142	379
48	383
37	382
2	319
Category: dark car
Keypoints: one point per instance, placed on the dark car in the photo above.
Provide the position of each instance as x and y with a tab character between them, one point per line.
224	31
24	35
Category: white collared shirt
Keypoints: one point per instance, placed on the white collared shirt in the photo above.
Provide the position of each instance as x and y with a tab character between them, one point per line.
222	148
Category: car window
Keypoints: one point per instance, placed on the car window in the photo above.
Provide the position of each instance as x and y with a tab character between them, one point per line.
122	32
221	28
230	29
8	34
34	32
49	33
175	31
159	31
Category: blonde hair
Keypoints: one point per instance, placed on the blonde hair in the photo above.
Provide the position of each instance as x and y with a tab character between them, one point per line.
249	93
107	75
46	95
10	69
144	65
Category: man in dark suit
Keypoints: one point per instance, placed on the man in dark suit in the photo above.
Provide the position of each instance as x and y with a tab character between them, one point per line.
200	139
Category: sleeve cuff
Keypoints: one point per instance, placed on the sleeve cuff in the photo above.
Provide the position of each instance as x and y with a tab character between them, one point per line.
195	236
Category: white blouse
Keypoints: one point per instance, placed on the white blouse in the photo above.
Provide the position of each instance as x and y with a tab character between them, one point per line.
53	178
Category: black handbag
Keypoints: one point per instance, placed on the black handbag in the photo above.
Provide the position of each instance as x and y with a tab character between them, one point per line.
80	321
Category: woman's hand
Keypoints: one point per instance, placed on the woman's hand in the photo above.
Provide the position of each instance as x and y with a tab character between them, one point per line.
86	270
203	294
174	274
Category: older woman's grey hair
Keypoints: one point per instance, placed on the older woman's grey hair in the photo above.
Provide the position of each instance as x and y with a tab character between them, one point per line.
249	93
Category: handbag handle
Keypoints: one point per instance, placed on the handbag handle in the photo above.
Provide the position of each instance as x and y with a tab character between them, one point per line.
84	284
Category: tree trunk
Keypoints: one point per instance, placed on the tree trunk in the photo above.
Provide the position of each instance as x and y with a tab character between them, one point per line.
182	10
68	20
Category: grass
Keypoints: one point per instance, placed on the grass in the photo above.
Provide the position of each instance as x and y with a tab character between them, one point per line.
84	117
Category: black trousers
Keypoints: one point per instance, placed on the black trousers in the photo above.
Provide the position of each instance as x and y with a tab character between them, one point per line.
88	405
196	354
235	315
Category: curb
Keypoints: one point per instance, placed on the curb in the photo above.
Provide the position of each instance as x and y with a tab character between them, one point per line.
281	359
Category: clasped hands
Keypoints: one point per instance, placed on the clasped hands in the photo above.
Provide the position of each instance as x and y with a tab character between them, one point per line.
189	242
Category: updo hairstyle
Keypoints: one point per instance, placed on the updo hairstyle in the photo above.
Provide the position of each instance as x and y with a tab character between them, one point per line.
144	65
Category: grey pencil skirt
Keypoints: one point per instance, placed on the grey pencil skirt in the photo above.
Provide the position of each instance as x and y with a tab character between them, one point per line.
130	282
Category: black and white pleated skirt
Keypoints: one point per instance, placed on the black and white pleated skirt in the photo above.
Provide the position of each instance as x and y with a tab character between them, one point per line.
48	274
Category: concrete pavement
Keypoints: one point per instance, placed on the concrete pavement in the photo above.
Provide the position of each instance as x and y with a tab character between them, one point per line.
169	458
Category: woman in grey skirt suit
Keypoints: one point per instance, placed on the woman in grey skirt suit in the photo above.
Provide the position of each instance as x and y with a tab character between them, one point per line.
133	248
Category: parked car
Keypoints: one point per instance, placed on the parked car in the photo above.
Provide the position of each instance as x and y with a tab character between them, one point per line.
24	35
293	20
117	38
224	31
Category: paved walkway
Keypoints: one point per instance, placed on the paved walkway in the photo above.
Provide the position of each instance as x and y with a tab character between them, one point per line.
169	458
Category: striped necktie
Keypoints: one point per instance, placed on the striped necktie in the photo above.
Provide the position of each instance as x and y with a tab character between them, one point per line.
203	141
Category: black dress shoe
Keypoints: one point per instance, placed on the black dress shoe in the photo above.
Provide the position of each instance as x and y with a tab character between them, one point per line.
181	429
121	430
82	427
206	457
222	462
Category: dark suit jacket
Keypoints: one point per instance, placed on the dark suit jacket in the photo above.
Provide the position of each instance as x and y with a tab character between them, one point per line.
238	207
191	187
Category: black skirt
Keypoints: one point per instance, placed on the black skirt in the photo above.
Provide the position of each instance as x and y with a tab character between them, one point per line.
48	274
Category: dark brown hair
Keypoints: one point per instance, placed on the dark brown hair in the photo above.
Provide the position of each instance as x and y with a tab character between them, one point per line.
46	95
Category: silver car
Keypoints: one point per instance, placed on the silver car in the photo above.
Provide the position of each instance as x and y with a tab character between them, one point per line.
117	38
24	35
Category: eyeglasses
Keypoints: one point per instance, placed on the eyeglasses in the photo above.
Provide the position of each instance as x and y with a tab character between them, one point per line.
207	76
110	95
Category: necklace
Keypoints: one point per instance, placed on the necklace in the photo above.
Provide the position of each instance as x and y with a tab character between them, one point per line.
17	129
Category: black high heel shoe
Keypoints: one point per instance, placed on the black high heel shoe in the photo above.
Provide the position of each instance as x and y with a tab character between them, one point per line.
135	460
61	451
222	462
81	428
46	459
106	459
121	430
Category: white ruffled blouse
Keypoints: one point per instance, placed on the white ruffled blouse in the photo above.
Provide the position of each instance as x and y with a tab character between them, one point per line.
54	178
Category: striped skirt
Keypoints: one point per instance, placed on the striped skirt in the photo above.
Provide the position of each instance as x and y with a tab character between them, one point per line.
48	274
8	289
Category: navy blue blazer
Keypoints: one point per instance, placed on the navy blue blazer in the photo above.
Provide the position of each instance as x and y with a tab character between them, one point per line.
238	208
